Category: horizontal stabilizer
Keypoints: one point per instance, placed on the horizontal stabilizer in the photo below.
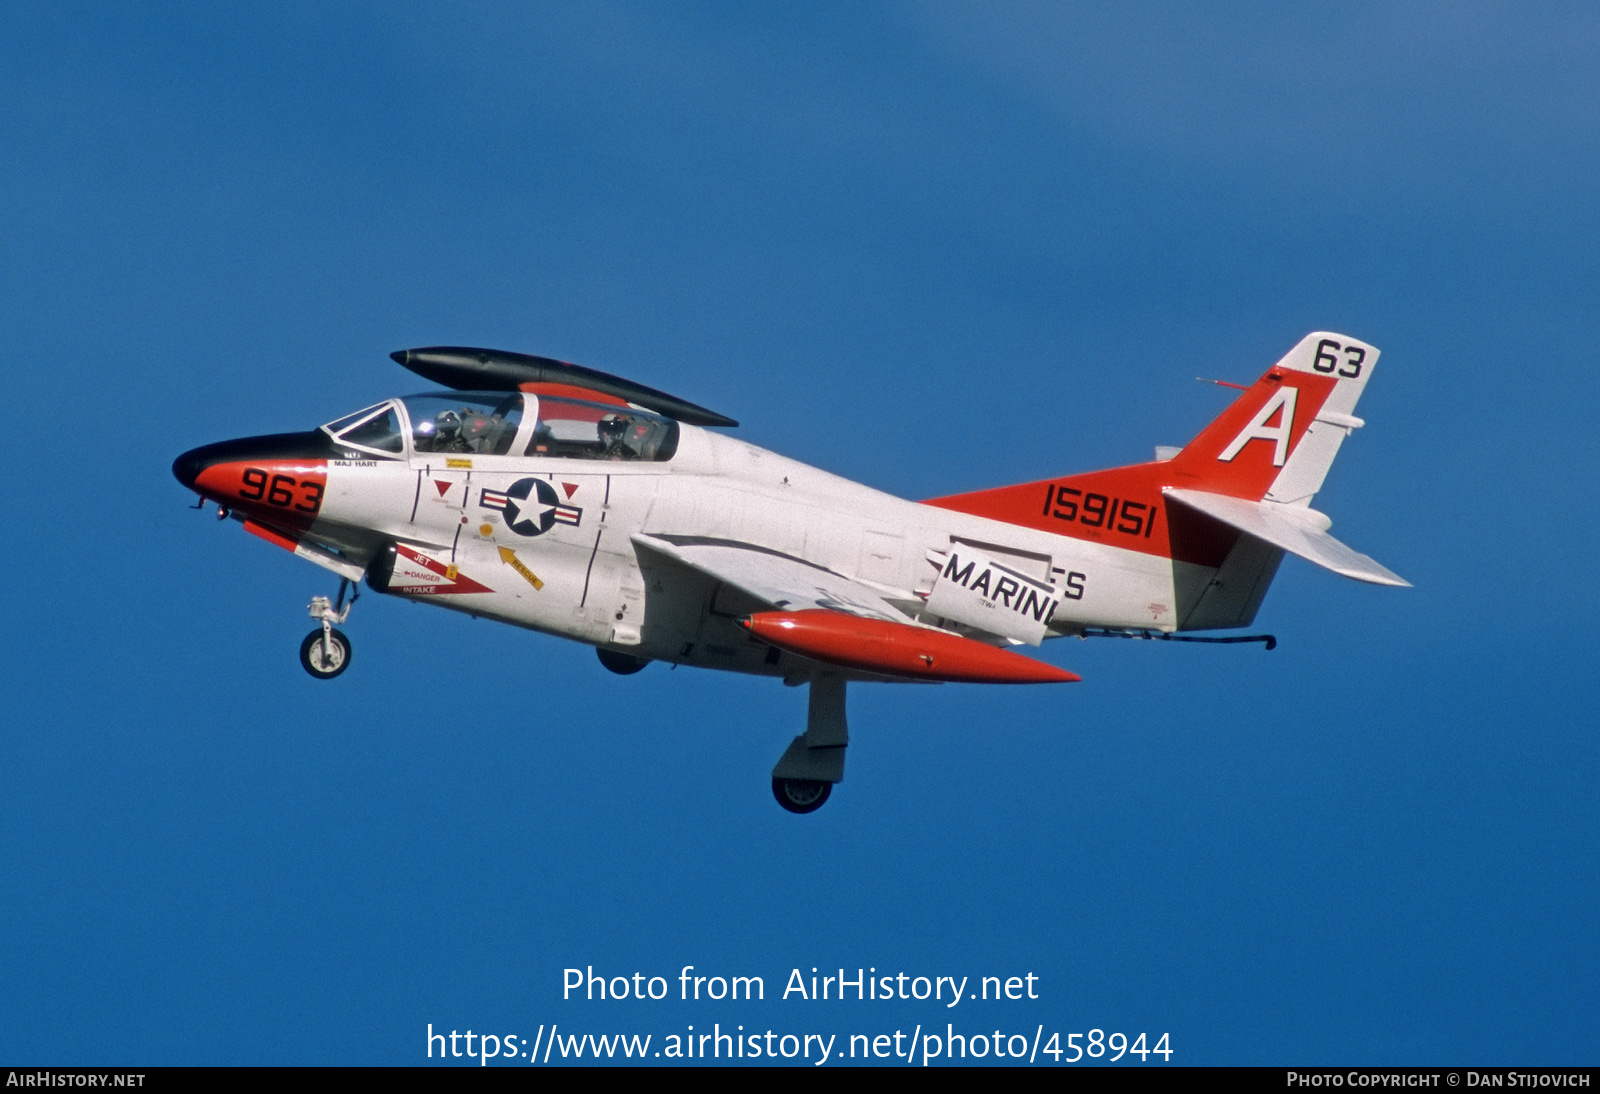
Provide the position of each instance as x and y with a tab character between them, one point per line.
1298	531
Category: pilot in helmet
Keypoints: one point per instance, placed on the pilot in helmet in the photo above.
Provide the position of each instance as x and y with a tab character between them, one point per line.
612	428
447	432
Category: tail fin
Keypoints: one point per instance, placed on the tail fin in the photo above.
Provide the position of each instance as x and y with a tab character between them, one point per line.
1270	450
1276	442
1227	506
1278	439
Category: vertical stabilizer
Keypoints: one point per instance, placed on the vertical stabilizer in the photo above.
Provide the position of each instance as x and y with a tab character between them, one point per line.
1277	441
1225	507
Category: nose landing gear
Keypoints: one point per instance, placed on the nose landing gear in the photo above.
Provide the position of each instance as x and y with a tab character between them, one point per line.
326	651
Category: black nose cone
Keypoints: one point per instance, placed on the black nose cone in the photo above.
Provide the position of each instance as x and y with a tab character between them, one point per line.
187	467
314	445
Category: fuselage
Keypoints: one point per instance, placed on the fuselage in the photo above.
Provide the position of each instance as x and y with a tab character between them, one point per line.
547	541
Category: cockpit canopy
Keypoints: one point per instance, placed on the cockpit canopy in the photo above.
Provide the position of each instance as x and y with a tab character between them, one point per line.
505	424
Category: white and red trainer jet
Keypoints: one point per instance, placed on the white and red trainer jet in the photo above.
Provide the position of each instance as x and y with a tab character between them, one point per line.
566	500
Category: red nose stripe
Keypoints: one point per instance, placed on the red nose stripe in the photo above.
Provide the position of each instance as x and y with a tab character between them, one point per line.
898	649
286	493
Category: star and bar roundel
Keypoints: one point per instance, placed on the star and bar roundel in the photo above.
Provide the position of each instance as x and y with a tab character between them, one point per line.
531	507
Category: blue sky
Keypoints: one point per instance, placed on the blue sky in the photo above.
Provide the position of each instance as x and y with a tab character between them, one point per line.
930	247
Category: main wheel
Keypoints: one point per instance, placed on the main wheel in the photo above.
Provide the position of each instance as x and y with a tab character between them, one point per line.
801	795
623	664
325	660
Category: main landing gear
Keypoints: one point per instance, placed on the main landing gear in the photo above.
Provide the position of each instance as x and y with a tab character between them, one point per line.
814	761
326	651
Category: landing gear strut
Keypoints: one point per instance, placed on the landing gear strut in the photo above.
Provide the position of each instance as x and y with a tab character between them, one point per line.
326	651
814	761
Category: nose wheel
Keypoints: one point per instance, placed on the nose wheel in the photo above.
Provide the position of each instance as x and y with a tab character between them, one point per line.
326	651
325	655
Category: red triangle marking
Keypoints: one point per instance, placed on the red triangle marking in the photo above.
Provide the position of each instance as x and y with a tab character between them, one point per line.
570	487
444	487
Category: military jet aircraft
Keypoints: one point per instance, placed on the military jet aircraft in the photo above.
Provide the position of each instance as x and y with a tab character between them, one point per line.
567	500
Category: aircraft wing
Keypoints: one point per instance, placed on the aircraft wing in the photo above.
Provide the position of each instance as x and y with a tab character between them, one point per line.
1281	526
784	582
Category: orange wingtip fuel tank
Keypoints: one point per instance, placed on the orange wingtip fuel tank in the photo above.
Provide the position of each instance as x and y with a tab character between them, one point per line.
897	649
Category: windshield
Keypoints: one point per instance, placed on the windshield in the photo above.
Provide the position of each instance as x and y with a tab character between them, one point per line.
375	430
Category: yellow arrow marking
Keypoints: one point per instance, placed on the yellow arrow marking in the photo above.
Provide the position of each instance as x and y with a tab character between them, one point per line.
509	557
